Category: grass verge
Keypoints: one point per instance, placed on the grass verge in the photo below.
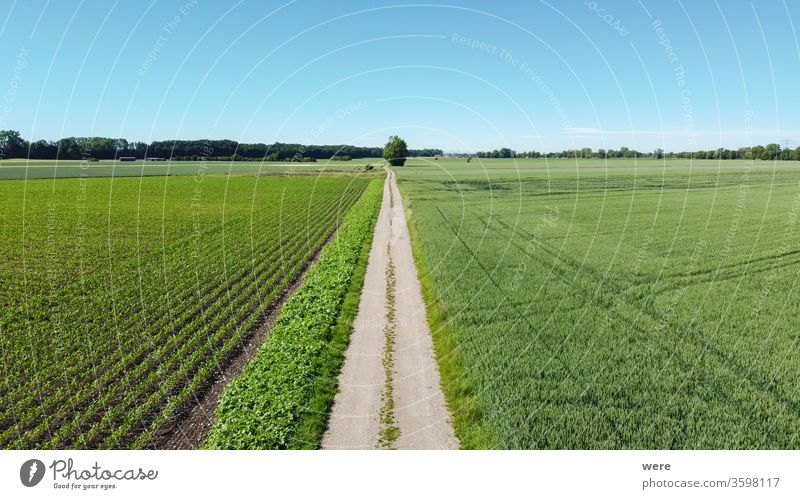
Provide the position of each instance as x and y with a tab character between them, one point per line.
459	388
281	399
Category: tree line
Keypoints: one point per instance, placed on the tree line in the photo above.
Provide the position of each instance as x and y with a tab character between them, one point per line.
769	152
13	145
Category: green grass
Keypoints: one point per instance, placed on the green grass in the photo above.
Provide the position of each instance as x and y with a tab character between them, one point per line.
120	299
286	389
618	304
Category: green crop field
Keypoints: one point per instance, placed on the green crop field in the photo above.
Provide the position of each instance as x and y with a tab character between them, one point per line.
121	298
628	304
588	304
21	169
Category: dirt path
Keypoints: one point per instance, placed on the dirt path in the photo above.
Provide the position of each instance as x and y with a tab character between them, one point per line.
389	393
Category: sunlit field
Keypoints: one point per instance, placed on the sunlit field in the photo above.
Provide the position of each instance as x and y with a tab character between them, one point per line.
620	304
122	299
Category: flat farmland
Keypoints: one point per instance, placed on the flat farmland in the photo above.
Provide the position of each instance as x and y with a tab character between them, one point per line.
120	299
24	169
621	304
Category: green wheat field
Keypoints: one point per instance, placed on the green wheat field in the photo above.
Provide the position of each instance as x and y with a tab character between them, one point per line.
620	304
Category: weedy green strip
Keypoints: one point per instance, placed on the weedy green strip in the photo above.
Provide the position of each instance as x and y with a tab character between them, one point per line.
389	430
268	406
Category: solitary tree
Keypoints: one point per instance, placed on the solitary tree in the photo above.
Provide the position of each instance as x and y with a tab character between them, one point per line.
395	151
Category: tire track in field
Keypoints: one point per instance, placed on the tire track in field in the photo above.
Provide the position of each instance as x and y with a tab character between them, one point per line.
389	388
647	311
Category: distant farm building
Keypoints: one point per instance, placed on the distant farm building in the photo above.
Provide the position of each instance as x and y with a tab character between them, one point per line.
127	158
155	159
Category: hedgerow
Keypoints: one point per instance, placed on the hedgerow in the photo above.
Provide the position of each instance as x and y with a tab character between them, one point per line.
270	403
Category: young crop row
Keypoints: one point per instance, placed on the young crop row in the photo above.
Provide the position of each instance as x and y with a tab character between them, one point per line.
286	386
108	359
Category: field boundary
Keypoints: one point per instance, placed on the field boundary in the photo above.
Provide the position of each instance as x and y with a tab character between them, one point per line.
458	386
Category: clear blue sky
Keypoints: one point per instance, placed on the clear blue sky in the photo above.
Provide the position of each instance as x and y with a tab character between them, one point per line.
469	76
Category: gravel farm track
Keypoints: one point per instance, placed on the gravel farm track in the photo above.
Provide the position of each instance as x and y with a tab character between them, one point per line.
389	389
